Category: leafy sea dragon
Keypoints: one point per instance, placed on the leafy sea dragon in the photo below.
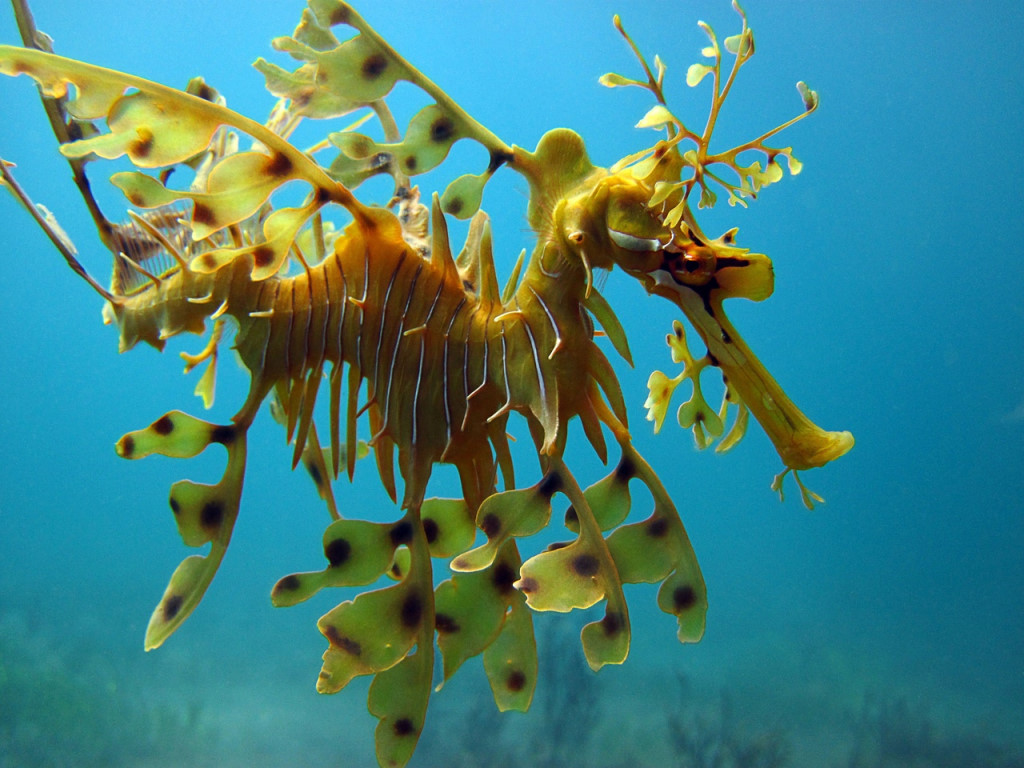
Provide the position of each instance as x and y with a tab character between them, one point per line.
446	355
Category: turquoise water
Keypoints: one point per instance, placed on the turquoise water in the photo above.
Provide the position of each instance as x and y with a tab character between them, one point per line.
882	629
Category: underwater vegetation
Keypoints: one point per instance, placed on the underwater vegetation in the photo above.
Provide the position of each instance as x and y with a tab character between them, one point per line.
422	356
896	733
61	705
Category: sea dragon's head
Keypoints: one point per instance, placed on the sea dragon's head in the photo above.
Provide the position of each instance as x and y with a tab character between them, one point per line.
638	215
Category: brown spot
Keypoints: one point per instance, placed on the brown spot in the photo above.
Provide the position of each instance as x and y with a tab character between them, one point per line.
445	623
401	533
516	680
558	545
279	165
441	130
175	506
528	585
410	163
288	584
412	611
430	529
263	256
404	727
683	597
209	261
142	146
503	576
657	528
338	640
171	606
498	159
205	92
212	514
203	214
222	434
339	15
374	65
490	525
625	469
127	446
586	564
323	195
611	623
453	206
571	518
549	485
314	472
163	425
337	551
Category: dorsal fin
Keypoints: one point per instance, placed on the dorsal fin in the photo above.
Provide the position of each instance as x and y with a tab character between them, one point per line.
440	245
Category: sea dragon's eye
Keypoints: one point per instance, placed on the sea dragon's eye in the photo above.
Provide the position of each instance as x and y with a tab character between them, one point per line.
691	265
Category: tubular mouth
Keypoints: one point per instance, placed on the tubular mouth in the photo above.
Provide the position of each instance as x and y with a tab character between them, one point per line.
800	442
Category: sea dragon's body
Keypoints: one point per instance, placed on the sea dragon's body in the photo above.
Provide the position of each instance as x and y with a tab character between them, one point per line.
445	354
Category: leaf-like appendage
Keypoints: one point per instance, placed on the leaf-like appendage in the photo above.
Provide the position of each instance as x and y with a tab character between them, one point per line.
506	515
204	513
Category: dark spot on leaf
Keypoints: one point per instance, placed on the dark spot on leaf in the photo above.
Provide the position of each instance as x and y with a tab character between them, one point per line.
163	425
498	158
323	195
491	525
175	506
558	545
430	530
280	165
611	623
314	472
586	564
528	585
516	680
339	15
142	146
337	551
404	727
171	606
209	260
683	597
453	206
401	533
212	514
203	214
625	469
288	584
441	130
205	92
503	576
571	518
374	65
263	255
657	528
410	163
347	644
445	623
223	434
412	611
127	446
549	485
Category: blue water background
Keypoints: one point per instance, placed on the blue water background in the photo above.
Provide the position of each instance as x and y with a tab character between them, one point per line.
896	315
